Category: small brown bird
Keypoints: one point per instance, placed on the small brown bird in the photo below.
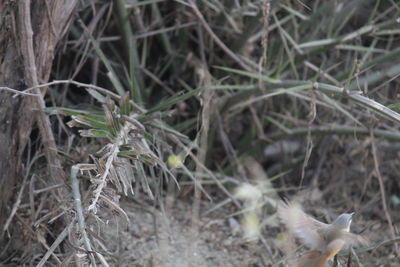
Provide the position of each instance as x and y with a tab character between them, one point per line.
324	240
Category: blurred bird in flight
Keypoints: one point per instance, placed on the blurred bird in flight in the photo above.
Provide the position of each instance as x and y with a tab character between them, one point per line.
324	240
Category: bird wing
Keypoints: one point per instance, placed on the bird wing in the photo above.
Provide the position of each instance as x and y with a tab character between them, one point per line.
301	225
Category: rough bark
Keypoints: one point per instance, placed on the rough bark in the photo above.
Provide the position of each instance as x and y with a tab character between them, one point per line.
49	21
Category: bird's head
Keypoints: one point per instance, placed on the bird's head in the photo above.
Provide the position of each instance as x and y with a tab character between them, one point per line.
343	221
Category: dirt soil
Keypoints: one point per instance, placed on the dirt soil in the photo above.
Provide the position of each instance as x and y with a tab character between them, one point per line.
153	238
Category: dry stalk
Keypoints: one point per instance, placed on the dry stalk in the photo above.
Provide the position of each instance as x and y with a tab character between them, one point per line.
56	243
111	155
80	218
79	212
309	147
204	77
218	41
206	170
382	190
16	205
266	8
31	76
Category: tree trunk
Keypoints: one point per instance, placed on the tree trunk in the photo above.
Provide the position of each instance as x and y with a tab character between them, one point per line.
49	20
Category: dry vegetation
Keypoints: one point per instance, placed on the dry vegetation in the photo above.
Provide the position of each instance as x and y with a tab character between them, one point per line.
162	109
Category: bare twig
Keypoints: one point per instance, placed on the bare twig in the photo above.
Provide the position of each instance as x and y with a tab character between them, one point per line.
337	130
16	92
86	85
90	86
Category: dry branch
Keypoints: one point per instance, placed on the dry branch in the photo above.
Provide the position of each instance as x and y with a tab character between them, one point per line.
31	75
